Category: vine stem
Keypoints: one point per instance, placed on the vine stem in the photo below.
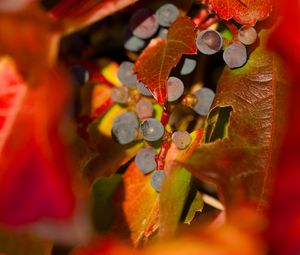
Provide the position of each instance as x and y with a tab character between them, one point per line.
100	78
85	120
201	16
102	109
165	146
96	75
233	29
166	142
205	19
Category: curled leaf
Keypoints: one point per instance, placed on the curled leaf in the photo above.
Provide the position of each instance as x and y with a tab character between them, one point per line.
154	65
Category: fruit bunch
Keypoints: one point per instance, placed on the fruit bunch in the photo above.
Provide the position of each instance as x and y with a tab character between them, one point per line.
142	122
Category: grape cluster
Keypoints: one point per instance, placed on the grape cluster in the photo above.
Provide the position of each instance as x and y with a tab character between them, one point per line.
235	54
140	121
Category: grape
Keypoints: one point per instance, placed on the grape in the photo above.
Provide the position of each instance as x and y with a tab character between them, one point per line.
79	75
143	23
119	95
152	129
188	66
204	97
209	42
175	88
163	33
127	117
145	160
144	108
124	128
131	42
142	89
157	179
126	74
181	139
167	14
247	35
123	133
235	55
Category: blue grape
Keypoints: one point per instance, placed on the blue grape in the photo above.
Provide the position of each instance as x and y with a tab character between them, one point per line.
175	88
131	42
152	129
144	108
157	179
204	99
142	89
247	35
167	14
119	95
124	128
235	55
209	42
127	117
79	75
163	33
126	74
123	133
145	160
143	23
181	139
189	65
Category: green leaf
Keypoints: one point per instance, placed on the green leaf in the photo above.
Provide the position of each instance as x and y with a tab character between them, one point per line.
196	206
176	188
172	200
103	211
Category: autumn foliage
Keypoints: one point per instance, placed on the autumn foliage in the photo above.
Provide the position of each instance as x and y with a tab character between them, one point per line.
68	188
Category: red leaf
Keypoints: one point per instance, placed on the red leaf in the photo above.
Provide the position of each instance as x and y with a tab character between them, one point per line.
245	12
284	229
288	48
34	165
76	14
157	60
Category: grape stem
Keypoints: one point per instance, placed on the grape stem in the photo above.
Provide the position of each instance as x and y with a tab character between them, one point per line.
233	29
165	117
96	75
85	121
102	109
205	19
164	148
100	78
201	16
166	142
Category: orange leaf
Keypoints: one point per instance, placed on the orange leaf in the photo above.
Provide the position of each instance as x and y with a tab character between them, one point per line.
154	65
140	204
246	12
